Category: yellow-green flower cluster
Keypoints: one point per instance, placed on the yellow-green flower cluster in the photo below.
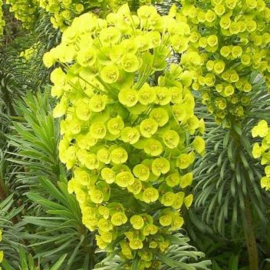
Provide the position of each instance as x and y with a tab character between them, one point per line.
1	251
64	11
2	21
29	53
123	137
229	39
25	11
262	150
115	4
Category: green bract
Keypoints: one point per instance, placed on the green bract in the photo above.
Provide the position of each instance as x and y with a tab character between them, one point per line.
123	137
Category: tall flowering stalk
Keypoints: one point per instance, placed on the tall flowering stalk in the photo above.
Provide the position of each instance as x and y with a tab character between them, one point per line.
229	41
128	141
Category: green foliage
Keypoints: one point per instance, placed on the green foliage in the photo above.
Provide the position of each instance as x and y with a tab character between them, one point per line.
54	226
59	228
37	137
27	262
11	231
180	255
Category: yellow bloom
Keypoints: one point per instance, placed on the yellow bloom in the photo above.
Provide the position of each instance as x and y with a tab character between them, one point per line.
212	40
150	195
153	147
165	220
256	150
119	155
260	130
168	198
128	97
186	180
265	182
185	160
160	166
210	16
136	243
118	219
199	144
225	22
130	135
188	200
61	108
124	179
137	222
219	67
110	35
109	74
231	4
236	51
86	57
130	62
251	26
225	51
148	127
1	255
219	9
98	130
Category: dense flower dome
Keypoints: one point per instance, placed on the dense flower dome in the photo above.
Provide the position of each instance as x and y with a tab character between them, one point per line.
229	40
25	11
64	11
129	142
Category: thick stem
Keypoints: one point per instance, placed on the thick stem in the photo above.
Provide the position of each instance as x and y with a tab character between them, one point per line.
250	237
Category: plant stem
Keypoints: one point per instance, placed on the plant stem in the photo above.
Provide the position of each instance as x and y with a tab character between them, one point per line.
247	220
250	236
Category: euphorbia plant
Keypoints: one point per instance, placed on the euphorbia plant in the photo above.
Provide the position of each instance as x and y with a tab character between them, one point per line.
128	140
228	53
